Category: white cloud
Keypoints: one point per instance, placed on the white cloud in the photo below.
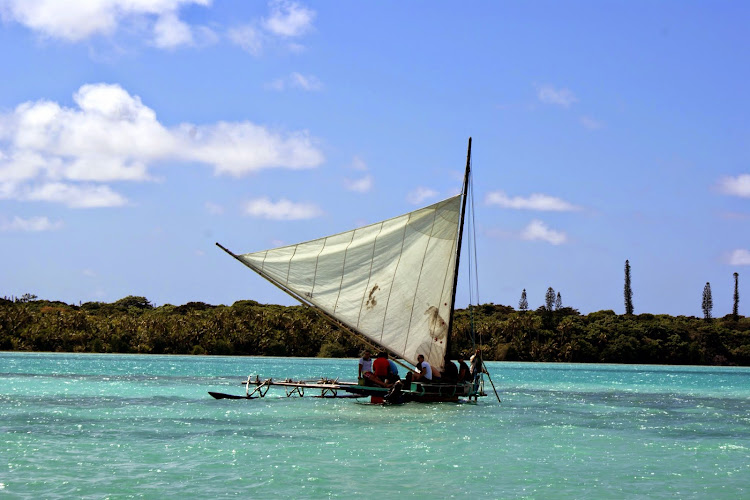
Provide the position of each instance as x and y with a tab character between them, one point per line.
740	257
536	201
561	97
736	186
281	210
362	185
289	19
591	123
170	32
111	136
539	231
32	224
248	38
308	83
420	194
74	196
77	21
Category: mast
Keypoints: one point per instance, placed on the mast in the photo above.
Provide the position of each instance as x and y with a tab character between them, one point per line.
458	254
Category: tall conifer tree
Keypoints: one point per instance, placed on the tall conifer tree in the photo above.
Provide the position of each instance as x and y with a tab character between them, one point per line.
628	290
736	308
549	299
558	302
708	302
523	304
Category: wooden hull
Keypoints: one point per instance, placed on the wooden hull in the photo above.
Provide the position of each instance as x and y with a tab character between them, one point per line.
418	392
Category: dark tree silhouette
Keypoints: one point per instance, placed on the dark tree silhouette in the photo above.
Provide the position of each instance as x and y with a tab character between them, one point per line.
708	302
549	299
558	302
628	290
736	308
523	304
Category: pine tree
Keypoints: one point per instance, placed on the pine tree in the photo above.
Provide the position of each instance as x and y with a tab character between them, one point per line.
549	299
708	302
523	304
736	308
628	290
558	302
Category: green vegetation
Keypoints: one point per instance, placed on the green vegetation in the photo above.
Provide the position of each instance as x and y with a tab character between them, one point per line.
134	325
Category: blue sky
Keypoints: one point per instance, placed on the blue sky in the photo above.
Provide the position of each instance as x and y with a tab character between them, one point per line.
133	135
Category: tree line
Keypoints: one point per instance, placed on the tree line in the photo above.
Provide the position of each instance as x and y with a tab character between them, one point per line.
550	333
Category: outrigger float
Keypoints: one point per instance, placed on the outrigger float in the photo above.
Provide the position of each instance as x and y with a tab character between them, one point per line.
392	285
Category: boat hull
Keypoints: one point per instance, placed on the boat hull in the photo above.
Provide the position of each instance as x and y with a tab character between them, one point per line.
418	392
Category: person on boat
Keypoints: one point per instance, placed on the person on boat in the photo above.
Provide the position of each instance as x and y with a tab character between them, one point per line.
380	368
425	370
393	375
450	373
477	367
464	373
365	364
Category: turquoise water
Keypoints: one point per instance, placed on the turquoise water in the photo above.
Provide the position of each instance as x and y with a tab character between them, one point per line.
127	426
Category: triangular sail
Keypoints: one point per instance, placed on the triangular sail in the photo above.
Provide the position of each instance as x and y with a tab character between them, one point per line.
390	281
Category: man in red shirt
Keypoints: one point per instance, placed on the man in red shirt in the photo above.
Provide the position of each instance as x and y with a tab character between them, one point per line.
380	369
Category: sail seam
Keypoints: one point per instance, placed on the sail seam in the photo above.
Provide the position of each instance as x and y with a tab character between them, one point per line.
419	278
393	282
317	259
369	276
289	265
447	281
263	263
343	267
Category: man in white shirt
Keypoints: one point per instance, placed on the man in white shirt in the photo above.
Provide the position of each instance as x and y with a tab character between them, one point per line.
365	364
425	370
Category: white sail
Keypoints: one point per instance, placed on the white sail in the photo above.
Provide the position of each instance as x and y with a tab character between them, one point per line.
391	281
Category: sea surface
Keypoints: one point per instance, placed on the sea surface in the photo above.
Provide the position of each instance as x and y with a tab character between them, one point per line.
131	426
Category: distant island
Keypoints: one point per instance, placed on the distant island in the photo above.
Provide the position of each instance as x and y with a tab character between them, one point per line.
134	325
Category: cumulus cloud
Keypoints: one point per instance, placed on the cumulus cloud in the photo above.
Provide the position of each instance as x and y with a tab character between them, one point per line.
536	201
286	23
420	194
539	231
170	32
362	184
31	224
740	257
77	21
281	210
736	186
551	95
289	19
53	153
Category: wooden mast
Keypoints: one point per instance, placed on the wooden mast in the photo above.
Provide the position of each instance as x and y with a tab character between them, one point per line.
465	192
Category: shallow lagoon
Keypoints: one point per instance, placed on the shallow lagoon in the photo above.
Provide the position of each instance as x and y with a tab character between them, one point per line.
97	426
